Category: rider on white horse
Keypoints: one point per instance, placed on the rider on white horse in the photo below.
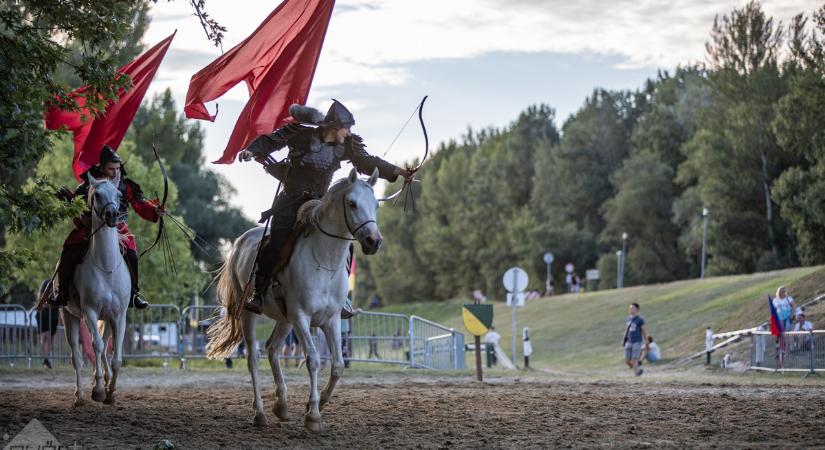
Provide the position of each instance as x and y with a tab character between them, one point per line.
317	146
76	244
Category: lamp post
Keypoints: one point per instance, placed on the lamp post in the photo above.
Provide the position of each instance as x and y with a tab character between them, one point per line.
618	269
624	258
548	259
705	213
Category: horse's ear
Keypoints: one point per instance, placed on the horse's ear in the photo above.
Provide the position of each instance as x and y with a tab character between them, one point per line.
92	180
353	176
374	177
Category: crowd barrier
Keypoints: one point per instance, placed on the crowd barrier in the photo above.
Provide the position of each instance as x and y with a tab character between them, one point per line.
793	351
170	334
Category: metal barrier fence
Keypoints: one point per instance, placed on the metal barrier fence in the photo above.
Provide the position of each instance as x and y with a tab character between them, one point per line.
434	346
794	351
167	332
377	337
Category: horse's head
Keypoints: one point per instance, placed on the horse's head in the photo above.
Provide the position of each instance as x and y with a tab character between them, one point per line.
360	208
104	200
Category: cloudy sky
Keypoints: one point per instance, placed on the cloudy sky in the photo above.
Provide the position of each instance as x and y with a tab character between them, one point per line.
480	61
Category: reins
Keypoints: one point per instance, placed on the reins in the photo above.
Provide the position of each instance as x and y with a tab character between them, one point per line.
346	221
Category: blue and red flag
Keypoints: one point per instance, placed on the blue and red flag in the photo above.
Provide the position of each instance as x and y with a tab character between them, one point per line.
777	327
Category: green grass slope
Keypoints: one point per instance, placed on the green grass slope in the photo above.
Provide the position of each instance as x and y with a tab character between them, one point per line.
583	332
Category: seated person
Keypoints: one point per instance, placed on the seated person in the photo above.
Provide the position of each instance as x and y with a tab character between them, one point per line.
802	325
654	353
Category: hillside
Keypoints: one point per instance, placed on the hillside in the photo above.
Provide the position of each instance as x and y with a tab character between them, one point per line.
583	332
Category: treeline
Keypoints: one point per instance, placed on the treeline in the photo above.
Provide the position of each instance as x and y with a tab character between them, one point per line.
741	135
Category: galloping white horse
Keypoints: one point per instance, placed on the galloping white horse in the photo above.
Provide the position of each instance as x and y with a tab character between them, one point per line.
103	284
313	286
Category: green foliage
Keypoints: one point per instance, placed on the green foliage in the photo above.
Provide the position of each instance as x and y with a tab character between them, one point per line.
741	136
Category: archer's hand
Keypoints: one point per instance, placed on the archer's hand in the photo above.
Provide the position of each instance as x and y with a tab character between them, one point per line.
245	155
409	175
64	194
160	211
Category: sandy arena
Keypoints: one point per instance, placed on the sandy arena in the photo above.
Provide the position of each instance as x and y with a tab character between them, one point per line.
212	409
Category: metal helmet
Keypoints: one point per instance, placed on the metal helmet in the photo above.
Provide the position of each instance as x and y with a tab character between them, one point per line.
108	155
339	116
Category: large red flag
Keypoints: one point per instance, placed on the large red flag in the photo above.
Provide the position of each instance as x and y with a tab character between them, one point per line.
109	128
277	62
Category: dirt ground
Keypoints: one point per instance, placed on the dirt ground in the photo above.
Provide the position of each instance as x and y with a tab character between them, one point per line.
199	410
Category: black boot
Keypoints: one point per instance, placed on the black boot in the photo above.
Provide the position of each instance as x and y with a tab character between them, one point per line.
70	257
267	258
136	299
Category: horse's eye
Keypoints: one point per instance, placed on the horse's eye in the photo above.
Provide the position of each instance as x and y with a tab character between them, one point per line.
352	204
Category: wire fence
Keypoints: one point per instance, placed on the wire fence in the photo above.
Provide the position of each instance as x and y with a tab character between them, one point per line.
793	351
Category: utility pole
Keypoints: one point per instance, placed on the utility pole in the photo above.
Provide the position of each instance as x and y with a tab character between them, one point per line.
705	213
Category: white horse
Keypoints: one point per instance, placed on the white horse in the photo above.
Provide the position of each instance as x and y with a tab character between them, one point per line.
103	285
313	286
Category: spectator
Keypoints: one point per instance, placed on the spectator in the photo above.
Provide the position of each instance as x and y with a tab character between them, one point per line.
373	347
654	354
47	320
290	348
784	305
492	338
548	287
635	339
375	301
345	344
803	325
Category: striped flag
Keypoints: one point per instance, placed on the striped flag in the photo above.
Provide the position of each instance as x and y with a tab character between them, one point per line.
777	327
352	279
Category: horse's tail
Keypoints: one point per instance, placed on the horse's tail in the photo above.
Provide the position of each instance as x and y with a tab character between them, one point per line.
226	332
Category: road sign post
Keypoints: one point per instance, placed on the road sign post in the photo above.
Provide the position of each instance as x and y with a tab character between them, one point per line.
515	281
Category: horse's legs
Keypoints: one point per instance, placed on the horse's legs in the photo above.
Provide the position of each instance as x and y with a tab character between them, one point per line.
248	323
332	331
312	419
273	350
98	390
107	369
72	325
118	329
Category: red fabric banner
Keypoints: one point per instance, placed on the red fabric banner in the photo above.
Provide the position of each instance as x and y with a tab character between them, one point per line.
90	135
277	62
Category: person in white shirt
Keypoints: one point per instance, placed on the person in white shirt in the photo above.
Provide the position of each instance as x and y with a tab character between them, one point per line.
784	305
654	353
803	325
492	337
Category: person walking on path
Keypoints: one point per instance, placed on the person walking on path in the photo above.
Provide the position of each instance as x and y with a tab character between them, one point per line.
635	339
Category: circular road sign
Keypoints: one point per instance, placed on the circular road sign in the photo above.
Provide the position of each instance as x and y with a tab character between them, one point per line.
515	279
548	258
569	268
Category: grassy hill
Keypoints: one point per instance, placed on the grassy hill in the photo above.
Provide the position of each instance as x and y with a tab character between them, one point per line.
583	332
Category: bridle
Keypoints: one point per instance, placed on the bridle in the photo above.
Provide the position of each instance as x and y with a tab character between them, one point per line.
346	221
100	216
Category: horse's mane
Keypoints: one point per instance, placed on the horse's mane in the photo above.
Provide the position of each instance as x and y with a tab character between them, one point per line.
90	196
308	212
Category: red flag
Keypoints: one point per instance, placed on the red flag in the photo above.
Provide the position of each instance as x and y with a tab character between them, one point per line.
277	62
110	127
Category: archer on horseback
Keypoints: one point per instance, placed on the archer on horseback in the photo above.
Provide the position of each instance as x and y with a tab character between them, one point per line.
317	146
110	167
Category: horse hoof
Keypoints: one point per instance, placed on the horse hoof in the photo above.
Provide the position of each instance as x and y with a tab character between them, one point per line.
110	399
260	420
78	402
98	396
281	411
312	424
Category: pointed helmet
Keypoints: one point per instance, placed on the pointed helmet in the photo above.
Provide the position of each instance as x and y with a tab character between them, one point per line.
108	155
339	116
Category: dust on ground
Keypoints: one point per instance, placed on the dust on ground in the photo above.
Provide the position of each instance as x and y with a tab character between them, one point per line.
212	409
